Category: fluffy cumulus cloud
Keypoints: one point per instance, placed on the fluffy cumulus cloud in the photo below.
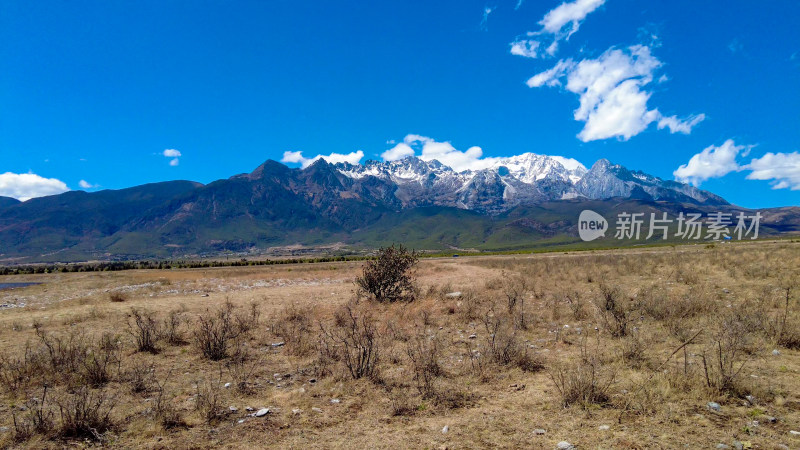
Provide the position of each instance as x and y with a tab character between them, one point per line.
613	93
333	158
782	169
173	155
712	162
428	149
24	186
559	23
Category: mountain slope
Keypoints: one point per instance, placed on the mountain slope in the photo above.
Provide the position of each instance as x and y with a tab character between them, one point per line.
520	202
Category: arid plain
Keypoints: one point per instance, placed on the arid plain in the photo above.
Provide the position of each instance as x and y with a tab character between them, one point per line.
669	347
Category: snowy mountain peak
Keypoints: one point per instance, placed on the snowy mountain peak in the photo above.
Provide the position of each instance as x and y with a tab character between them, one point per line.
526	179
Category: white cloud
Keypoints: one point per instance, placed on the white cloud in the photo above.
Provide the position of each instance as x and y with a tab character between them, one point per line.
86	185
24	186
485	19
333	158
782	168
676	125
568	13
399	151
174	154
712	162
560	23
612	94
525	47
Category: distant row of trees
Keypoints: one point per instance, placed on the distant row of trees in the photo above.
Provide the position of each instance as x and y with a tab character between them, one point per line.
107	266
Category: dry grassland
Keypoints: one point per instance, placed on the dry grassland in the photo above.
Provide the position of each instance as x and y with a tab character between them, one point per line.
613	349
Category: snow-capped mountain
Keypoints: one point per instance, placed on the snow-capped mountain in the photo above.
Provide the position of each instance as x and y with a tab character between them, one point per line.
525	179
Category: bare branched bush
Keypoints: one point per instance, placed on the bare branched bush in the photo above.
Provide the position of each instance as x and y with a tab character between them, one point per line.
390	277
172	328
726	356
504	346
140	376
614	312
242	367
294	325
215	332
98	365
208	401
352	340
37	419
164	405
145	329
584	383
423	353
85	413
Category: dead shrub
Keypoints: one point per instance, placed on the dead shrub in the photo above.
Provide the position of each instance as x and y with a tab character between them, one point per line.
85	413
725	357
215	331
144	328
584	383
36	420
116	297
504	346
576	305
294	325
98	364
208	401
352	340
140	376
242	367
390	277
614	312
423	353
173	324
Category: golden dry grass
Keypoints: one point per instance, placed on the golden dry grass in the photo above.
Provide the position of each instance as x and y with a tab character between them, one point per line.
431	371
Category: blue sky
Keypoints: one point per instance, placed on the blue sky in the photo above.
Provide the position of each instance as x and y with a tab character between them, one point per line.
92	94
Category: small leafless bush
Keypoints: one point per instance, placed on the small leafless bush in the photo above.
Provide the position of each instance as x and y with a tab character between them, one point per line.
725	357
117	297
615	314
208	400
504	346
36	419
144	328
140	376
85	413
584	383
353	340
294	325
389	277
215	331
424	353
98	365
173	324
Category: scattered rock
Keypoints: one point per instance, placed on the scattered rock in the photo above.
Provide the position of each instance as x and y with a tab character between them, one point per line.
227	385
204	295
297	411
473	336
539	431
335	400
455	294
445	429
278	344
782	447
604	427
261	412
714	406
726	290
317	410
4	429
240	421
722	446
771	419
776	352
794	433
249	408
750	399
564	445
233	409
